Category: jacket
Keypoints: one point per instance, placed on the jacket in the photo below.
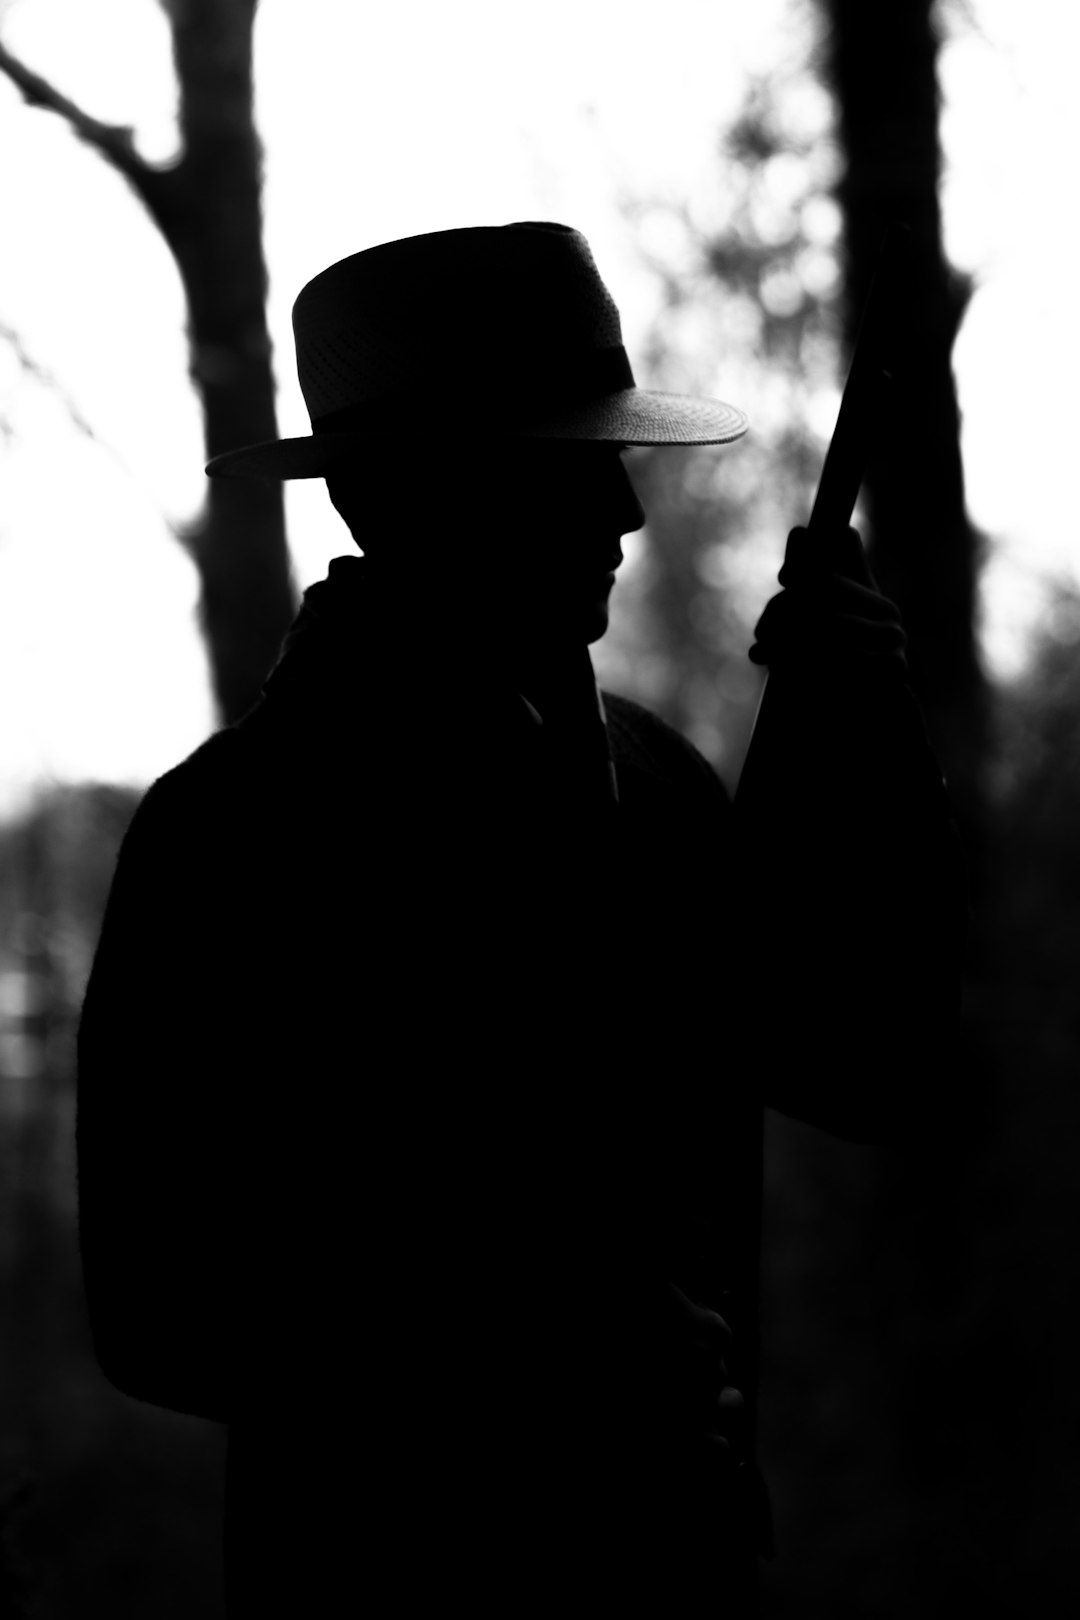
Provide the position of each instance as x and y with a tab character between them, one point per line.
406	1079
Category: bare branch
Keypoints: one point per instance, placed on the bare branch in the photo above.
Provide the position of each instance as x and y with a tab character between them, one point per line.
33	368
113	142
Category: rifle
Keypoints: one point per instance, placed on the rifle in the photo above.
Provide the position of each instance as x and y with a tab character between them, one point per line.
865	393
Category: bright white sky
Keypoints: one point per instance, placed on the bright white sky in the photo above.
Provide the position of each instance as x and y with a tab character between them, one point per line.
383	121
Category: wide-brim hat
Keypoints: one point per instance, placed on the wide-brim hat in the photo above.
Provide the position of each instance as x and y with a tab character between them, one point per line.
502	330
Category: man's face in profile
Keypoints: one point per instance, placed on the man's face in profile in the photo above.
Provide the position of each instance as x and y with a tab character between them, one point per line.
522	534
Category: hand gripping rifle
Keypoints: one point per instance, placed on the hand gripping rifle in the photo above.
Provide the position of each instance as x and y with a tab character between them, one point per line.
864	395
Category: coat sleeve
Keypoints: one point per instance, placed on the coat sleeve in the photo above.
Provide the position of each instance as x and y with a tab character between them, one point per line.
853	914
158	1050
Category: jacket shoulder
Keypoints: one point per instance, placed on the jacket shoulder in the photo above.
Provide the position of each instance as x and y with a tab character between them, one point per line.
209	775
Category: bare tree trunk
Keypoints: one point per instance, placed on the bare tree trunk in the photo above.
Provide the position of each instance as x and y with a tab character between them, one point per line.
208	208
215	231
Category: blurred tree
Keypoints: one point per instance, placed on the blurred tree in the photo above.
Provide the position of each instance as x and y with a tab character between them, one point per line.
881	63
56	866
207	206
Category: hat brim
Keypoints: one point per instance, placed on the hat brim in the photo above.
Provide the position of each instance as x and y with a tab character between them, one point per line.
632	416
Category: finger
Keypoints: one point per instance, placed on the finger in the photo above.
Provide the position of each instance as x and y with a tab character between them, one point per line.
690	1308
686	1429
850	596
720	1431
728	1416
832	597
706	1325
813	554
850	621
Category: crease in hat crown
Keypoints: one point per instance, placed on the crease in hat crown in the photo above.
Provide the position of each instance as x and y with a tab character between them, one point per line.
505	329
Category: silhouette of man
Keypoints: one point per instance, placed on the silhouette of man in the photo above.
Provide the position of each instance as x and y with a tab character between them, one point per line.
424	1057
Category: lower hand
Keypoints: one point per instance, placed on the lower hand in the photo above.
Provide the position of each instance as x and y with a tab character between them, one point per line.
700	1409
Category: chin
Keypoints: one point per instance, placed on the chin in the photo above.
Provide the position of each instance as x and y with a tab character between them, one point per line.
596	625
581	622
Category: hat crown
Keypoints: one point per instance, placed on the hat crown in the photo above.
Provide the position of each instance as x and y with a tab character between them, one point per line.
500	330
519	309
